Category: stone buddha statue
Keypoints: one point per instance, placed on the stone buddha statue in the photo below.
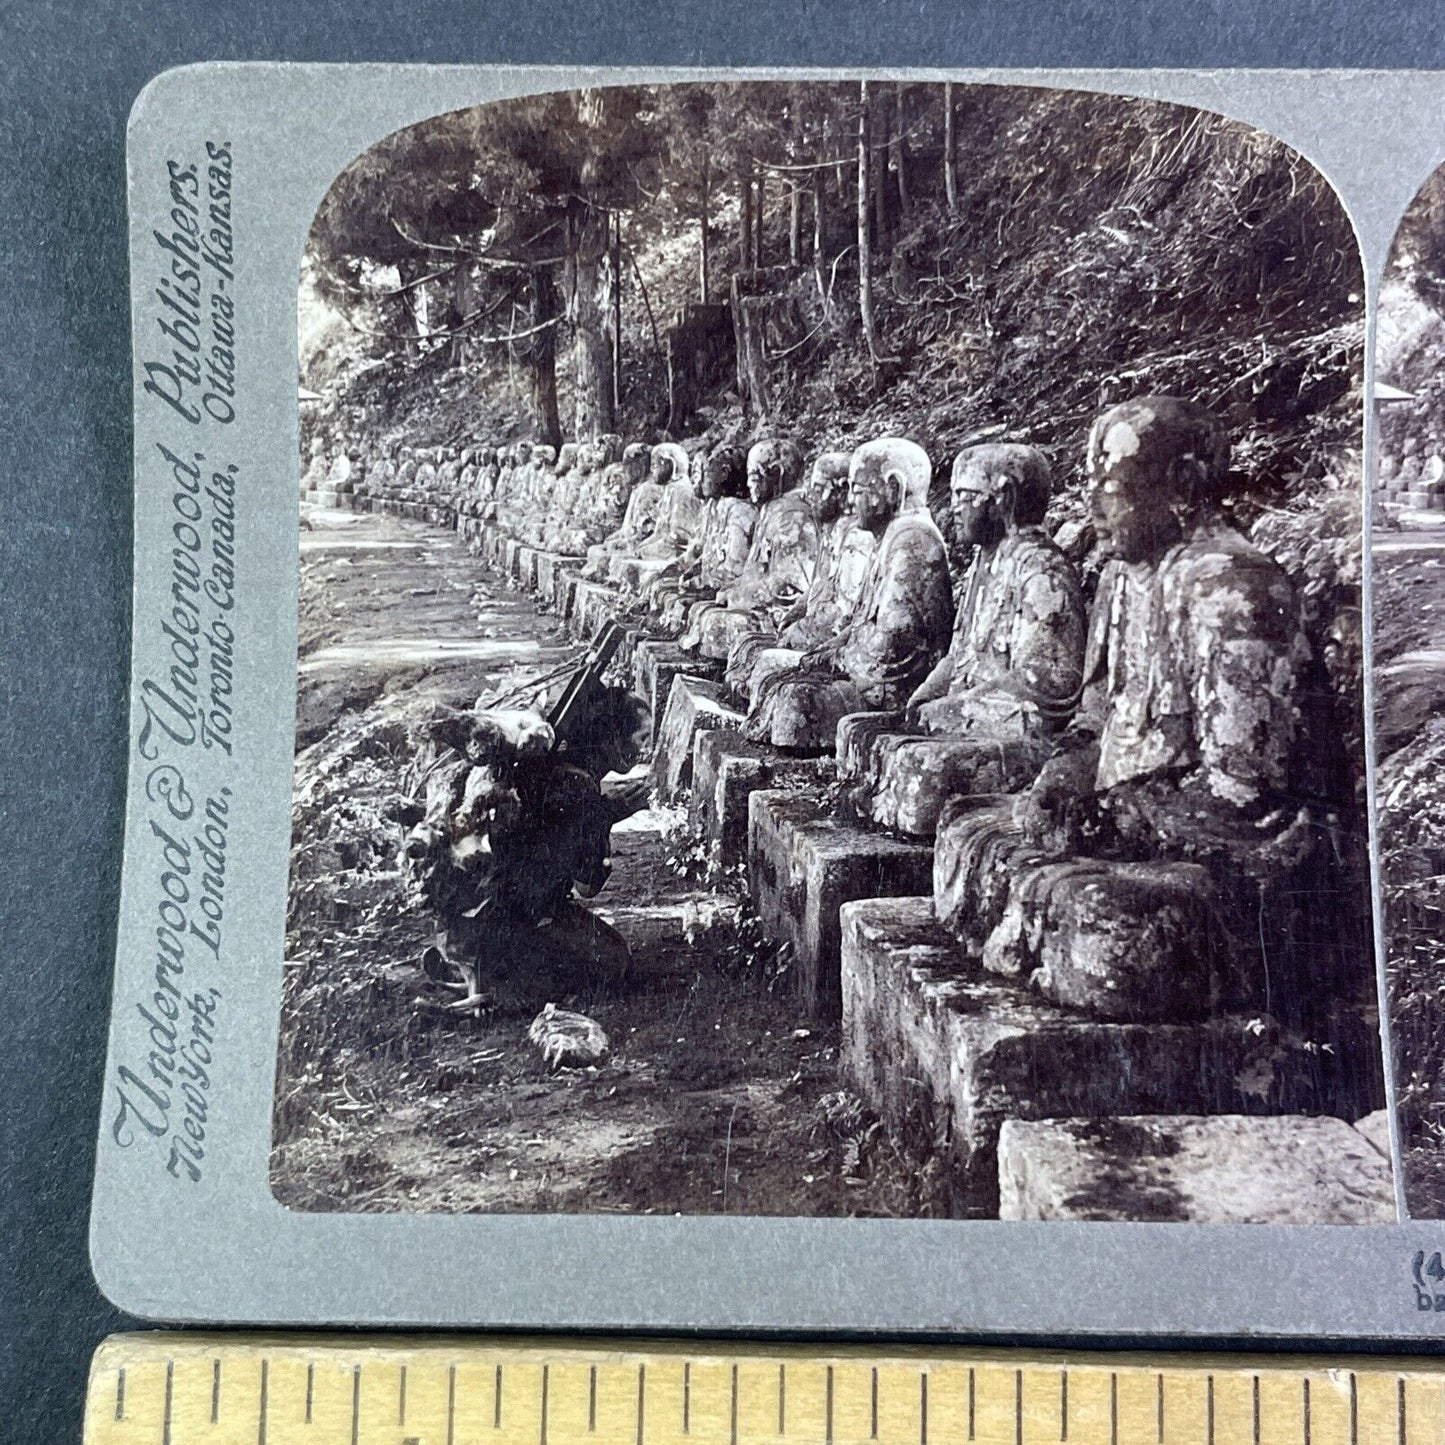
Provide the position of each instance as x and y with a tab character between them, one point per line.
538	500
314	476
405	475
380	471
601	499
485	487
901	625
781	556
678	511
574	466
813	617
984	720
638	520
449	472
1166	805
719	549
424	480
509	483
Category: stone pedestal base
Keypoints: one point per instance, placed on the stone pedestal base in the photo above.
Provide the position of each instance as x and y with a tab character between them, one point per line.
727	769
594	604
692	704
1228	1169
655	663
946	1053
803	865
548	564
566	577
526	573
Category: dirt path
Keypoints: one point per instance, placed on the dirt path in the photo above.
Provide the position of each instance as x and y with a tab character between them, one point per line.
1409	568
716	1097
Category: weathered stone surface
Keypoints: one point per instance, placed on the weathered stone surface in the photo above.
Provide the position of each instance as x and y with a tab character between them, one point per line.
526	566
1227	1169
655	663
1123	940
918	776
726	769
803	865
593	605
946	1052
856	735
547	566
564	588
977	854
693	703
1376	1129
1409	691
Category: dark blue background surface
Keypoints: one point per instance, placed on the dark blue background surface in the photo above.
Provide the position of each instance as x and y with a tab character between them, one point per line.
67	80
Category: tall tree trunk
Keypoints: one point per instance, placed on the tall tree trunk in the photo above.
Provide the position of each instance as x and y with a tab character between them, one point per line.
745	220
411	304
538	352
587	287
617	313
898	151
819	238
833	147
702	257
758	220
950	150
456	310
878	121
865	193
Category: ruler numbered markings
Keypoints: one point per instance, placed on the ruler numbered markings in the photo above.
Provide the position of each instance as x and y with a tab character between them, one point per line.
174	1389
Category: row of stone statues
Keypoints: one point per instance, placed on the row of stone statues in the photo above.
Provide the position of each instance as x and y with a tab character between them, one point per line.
1136	755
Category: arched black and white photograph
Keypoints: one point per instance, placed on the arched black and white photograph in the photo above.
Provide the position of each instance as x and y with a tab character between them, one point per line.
1408	555
830	669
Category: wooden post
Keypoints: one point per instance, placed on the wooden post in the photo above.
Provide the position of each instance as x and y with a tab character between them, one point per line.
795	224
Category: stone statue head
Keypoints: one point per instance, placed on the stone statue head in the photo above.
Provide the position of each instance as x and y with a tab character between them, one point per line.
609	449
774	467
566	458
998	487
725	472
544	456
826	490
886	477
635	459
1153	465
523	452
669	463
